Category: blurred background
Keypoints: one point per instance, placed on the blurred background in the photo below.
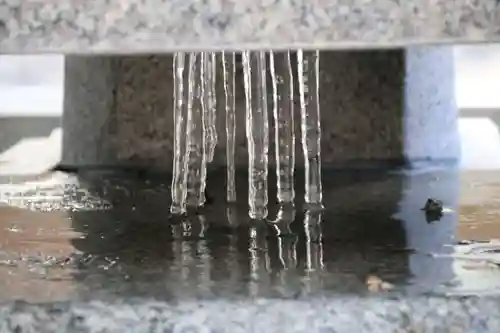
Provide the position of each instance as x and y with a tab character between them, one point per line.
31	95
31	91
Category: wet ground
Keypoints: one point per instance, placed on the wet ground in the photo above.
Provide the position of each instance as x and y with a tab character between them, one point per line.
371	261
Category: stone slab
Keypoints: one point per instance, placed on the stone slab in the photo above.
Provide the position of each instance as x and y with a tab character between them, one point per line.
157	26
338	314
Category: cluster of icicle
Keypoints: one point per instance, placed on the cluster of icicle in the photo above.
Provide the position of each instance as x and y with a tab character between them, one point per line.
196	135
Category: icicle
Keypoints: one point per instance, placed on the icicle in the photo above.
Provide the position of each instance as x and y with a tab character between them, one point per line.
179	177
196	141
284	136
257	132
228	61
308	76
211	114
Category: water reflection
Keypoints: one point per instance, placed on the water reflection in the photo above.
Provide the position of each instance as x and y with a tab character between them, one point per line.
430	238
313	240
372	230
285	217
286	240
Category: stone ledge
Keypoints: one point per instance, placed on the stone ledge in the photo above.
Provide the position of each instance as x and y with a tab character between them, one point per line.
147	26
336	314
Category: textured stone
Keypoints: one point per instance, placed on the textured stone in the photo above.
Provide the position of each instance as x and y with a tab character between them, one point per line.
376	106
339	314
430	108
89	97
164	25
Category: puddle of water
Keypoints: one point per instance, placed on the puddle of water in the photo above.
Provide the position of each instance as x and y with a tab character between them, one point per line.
108	235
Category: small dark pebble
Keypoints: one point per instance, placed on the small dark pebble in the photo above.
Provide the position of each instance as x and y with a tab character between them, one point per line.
433	210
433	205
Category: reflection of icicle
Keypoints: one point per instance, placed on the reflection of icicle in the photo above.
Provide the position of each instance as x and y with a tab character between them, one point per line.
232	261
260	263
229	84
202	226
257	131
254	262
284	136
196	133
179	177
286	215
286	244
308	77
176	269
211	112
232	215
287	251
314	246
203	256
186	255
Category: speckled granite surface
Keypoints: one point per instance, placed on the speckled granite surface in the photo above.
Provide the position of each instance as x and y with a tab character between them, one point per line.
430	118
159	25
339	314
375	106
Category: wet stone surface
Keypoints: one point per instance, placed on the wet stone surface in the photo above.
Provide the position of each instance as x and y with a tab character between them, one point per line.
99	252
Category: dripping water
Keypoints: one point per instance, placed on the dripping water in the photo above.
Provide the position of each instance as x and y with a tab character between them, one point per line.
257	132
179	167
228	62
284	137
308	77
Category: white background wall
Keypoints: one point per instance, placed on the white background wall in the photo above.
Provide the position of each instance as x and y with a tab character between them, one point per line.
31	85
477	87
478	76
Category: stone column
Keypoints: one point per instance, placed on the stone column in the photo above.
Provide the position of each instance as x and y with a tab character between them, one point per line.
430	123
90	87
117	111
379	108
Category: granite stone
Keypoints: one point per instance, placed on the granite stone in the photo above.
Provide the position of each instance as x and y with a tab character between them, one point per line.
139	26
376	106
339	314
88	123
430	123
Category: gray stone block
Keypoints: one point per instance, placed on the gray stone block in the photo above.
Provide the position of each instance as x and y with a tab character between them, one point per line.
138	26
430	123
376	107
340	313
90	99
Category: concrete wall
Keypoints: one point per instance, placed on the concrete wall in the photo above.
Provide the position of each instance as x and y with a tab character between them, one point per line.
378	108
